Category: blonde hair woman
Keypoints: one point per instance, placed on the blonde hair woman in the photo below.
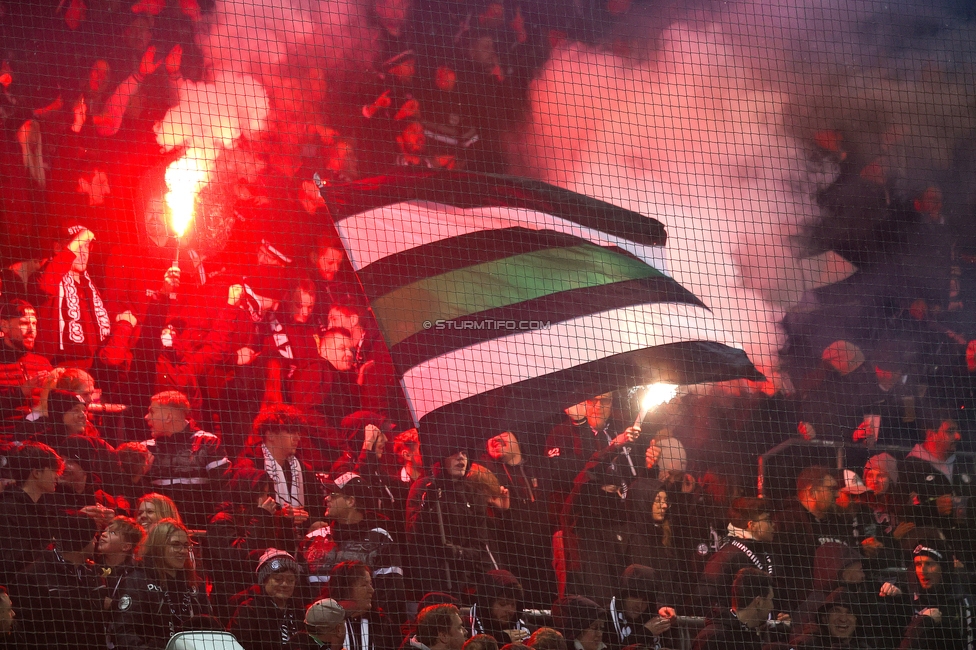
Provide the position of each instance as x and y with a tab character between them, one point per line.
162	595
154	507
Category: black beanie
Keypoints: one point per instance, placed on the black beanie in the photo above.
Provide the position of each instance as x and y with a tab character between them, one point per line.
573	614
499	584
60	402
639	581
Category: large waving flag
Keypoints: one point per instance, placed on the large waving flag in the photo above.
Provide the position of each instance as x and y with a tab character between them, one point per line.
511	299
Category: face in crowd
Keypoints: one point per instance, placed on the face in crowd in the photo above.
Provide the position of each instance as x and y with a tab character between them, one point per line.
598	410
841	622
328	262
877	480
177	553
928	572
337	349
456	465
20	333
504	610
592	637
505	448
281	586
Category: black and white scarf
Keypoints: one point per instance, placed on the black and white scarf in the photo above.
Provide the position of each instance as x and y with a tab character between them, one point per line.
763	564
293	496
68	297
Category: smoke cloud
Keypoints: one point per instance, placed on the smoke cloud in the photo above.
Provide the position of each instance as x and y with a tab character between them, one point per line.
712	134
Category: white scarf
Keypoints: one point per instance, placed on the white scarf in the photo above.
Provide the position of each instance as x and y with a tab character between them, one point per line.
295	497
68	296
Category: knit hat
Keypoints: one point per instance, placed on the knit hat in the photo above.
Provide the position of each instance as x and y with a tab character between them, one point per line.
80	450
60	402
275	561
883	462
324	613
639	581
497	585
573	614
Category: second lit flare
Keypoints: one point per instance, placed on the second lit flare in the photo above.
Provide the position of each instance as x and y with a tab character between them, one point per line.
654	396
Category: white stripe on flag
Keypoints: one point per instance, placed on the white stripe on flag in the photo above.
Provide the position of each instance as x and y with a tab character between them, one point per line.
485	366
372	235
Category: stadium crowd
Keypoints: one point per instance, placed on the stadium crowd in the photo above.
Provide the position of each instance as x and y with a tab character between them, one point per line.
223	445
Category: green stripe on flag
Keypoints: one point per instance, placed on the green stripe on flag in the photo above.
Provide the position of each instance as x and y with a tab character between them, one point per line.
499	283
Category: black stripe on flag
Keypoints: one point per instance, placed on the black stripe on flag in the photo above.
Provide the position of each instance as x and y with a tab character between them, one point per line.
553	308
455	253
464	189
517	405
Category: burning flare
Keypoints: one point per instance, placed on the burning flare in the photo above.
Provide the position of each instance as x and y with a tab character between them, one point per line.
654	396
185	178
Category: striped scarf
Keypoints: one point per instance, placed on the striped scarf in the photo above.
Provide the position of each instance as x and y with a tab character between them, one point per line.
68	297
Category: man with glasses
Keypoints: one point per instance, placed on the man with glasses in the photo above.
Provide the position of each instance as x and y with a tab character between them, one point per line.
807	523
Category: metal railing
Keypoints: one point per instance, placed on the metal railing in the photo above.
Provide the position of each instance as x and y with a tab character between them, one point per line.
839	446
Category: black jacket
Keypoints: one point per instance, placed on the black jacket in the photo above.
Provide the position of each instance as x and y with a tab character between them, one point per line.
189	467
259	624
369	542
956	630
59	604
148	612
27	530
448	532
715	584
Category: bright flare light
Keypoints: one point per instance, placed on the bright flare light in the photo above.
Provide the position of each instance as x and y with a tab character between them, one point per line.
654	396
184	180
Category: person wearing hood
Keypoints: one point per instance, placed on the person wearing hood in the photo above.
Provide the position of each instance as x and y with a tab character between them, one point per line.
245	525
738	627
447	524
881	612
835	627
581	622
751	532
67	421
526	537
835	566
594	522
269	615
635	617
498	611
884	498
649	539
944	615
